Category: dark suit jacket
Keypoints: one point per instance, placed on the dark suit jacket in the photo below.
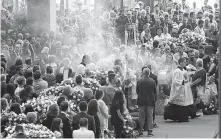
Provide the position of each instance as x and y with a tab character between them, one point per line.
91	123
146	91
154	77
3	88
48	121
67	132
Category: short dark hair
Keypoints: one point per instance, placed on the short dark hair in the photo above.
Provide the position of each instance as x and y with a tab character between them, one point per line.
83	122
83	106
59	78
181	60
78	80
37	75
201	47
49	70
200	21
28	73
98	94
155	44
35	68
20	80
64	106
60	100
18	62
3	65
111	76
29	81
3	59
28	61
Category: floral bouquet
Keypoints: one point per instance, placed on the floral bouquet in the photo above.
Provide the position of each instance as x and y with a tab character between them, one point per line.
55	91
210	107
77	95
32	131
38	131
15	118
41	105
68	82
129	130
94	85
192	39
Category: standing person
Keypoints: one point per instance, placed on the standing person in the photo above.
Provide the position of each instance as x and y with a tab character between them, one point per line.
146	91
39	84
110	90
176	109
65	120
93	111
117	110
165	35
199	28
52	113
83	132
159	36
102	111
184	25
198	82
83	114
179	54
56	127
204	57
19	73
49	77
21	81
81	68
154	77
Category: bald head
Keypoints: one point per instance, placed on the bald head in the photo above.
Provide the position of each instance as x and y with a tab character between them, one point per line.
146	72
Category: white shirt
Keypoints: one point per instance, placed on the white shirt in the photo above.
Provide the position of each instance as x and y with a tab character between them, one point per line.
166	36
177	56
83	133
199	31
158	38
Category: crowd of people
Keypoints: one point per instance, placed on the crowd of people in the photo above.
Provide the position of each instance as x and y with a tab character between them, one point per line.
104	47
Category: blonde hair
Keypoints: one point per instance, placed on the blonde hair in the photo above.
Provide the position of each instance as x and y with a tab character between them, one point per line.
199	62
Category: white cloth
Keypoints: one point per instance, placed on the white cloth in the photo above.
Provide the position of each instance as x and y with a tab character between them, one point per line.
180	94
103	114
83	133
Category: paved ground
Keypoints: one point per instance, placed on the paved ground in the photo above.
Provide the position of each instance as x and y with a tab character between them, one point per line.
202	127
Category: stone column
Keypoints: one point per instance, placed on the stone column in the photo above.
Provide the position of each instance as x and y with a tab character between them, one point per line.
41	16
62	7
15	6
67	4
